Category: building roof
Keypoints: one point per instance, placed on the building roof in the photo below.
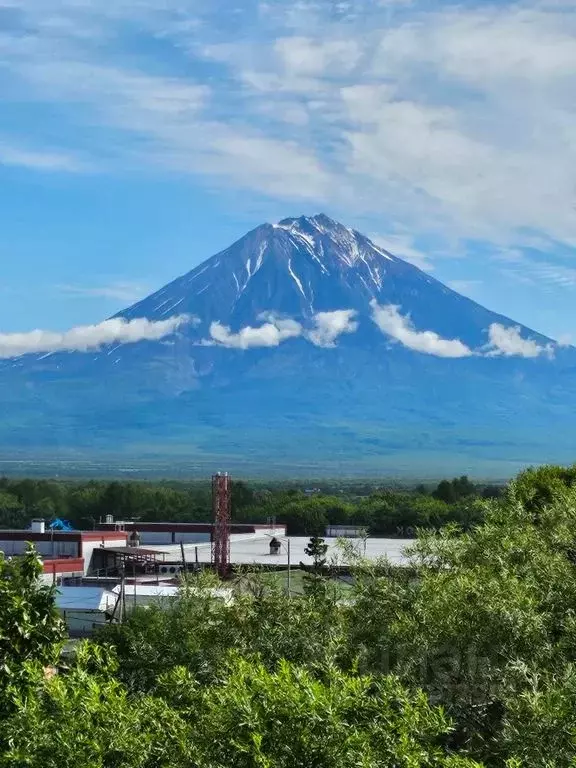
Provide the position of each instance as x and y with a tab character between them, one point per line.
134	551
148	590
344	527
256	550
84	599
171	527
19	534
164	591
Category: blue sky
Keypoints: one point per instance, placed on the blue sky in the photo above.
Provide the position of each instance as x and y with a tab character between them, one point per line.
138	137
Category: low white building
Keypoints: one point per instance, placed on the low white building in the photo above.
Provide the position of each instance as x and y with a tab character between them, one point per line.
345	531
144	594
85	609
147	594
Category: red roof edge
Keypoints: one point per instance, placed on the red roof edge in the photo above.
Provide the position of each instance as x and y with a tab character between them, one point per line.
64	565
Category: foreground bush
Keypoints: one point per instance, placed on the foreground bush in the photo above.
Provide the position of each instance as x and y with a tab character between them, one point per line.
282	719
465	659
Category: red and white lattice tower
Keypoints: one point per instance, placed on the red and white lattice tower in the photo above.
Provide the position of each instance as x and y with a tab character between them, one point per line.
221	529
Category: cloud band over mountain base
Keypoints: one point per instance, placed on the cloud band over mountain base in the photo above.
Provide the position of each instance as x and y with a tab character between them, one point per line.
86	338
324	332
399	327
327	327
508	342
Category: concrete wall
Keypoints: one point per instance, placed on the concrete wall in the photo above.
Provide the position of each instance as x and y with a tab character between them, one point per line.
88	548
344	531
83	623
145	599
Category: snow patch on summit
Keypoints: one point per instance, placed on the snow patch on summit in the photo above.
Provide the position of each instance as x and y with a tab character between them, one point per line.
380	251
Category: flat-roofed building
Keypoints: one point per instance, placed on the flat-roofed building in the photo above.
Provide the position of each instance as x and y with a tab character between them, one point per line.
255	550
345	531
186	533
85	609
63	552
147	594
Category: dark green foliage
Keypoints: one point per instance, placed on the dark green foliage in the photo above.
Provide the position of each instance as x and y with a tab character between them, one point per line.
284	718
289	718
452	491
383	511
30	629
11	511
445	492
316	549
492	492
536	488
222	692
486	625
87	719
85	504
197	631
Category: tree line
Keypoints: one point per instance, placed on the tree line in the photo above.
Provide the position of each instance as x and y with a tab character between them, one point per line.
464	660
383	511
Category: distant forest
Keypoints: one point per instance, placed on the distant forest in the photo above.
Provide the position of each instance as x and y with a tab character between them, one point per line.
305	511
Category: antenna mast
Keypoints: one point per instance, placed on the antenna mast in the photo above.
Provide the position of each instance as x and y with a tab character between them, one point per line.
221	529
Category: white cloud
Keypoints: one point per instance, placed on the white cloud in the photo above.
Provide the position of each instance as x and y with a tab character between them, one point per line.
479	104
399	327
457	118
463	286
549	276
424	121
117	291
270	334
279	167
328	326
121	97
505	342
529	44
556	274
309	57
508	342
88	337
402	245
167	122
39	161
508	255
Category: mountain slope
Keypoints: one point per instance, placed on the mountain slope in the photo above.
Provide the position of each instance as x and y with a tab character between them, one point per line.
313	264
361	400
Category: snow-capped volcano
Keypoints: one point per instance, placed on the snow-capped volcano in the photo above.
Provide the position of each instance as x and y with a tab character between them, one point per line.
303	266
344	245
304	341
297	266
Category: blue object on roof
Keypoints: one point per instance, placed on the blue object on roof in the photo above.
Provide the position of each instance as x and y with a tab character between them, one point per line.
60	525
